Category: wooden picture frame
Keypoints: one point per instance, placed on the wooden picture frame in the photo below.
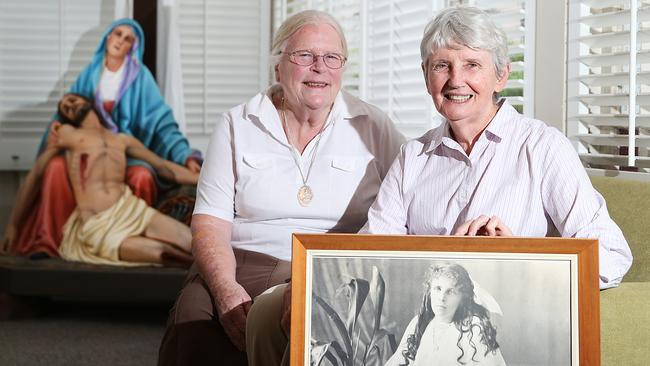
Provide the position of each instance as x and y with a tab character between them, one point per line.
548	273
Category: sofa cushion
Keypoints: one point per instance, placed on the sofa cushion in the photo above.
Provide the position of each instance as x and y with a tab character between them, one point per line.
628	203
625	324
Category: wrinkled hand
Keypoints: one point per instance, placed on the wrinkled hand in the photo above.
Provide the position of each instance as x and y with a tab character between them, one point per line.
483	226
53	135
233	304
285	321
193	165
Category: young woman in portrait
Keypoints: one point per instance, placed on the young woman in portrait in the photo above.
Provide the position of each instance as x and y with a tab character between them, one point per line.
450	328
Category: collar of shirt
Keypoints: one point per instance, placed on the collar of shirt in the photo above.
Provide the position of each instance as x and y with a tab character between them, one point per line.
495	130
261	108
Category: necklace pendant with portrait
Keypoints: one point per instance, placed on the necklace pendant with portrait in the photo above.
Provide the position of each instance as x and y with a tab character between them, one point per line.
305	195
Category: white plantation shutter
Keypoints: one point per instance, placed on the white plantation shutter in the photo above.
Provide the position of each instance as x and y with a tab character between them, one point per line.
394	75
224	56
384	41
605	116
44	44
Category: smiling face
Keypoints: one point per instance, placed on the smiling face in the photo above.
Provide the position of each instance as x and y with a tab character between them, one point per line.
445	298
313	87
120	41
462	82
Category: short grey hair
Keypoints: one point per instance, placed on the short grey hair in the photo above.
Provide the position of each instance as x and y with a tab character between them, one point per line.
294	23
466	26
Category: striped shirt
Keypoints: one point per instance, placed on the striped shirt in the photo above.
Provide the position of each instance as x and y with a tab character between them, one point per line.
521	170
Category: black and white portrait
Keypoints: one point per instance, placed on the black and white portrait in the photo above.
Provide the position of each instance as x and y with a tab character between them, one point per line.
394	309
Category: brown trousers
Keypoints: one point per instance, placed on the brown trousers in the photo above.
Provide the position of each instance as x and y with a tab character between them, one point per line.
194	335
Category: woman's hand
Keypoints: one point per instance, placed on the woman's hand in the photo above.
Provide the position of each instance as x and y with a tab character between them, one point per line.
285	321
483	226
233	304
193	165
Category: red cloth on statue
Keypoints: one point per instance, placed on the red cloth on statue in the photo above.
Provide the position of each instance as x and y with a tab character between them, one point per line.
142	183
42	229
108	106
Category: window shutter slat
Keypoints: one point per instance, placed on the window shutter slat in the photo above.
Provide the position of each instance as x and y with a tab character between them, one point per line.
221	57
598	99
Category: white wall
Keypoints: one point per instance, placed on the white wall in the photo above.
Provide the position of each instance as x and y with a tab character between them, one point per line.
550	64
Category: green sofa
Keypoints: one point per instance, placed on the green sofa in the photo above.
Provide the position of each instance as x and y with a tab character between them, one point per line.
625	311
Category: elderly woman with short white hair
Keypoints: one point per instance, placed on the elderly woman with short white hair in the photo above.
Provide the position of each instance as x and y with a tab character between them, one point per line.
488	170
304	156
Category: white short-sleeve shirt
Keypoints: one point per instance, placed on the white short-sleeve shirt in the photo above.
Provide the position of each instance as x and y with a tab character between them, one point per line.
251	179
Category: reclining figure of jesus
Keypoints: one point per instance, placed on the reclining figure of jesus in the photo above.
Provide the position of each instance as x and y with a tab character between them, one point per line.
110	225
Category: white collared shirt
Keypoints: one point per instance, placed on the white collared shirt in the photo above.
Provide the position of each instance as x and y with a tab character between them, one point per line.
250	177
519	169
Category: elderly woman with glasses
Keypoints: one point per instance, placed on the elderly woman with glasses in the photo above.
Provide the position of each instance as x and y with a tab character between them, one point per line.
304	156
487	170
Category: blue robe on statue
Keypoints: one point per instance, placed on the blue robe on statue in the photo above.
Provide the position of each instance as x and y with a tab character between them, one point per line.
139	109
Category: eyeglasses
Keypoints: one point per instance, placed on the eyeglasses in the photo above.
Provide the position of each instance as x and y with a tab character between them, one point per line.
308	58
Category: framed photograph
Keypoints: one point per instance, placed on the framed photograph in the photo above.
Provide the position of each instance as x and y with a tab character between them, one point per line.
374	300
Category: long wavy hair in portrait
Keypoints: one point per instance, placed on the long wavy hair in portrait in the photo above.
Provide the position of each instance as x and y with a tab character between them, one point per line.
462	319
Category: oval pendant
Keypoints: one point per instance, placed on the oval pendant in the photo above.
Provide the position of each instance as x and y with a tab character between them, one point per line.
305	195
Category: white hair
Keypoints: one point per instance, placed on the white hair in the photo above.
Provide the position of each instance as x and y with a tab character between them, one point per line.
466	26
294	23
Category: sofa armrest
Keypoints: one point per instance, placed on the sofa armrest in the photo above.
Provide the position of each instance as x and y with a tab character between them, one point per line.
625	324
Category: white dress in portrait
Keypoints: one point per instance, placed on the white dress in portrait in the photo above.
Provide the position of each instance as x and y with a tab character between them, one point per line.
440	346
